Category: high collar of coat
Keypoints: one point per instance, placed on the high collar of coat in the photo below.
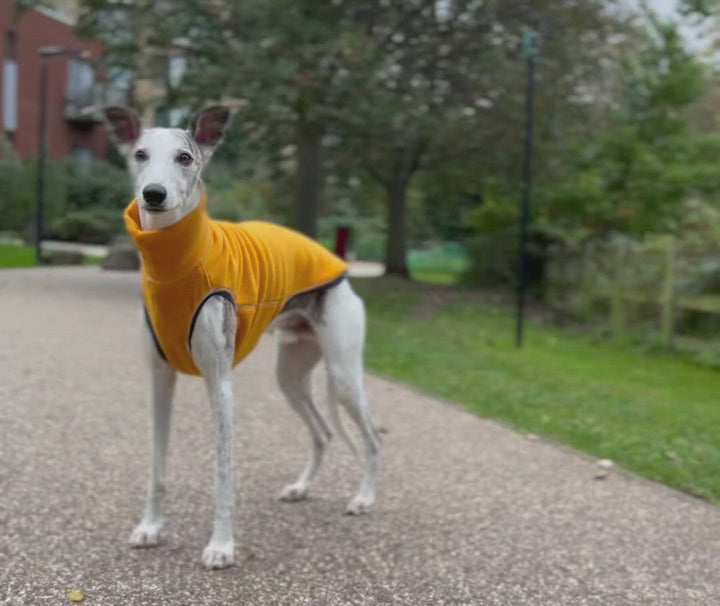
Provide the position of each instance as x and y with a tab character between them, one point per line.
171	252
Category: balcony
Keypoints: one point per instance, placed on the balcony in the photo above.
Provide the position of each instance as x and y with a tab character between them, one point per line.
83	105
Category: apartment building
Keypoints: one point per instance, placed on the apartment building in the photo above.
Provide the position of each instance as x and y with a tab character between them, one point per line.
74	84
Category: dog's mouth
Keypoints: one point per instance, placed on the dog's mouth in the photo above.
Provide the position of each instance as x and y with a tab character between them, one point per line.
154	209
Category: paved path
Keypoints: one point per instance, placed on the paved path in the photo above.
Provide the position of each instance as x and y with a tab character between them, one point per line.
468	512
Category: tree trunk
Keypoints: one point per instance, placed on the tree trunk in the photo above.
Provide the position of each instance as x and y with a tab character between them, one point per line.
309	180
395	252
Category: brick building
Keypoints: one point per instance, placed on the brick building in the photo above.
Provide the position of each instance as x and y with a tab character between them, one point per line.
74	93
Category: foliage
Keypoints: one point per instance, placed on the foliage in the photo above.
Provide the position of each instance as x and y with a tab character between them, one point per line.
632	176
653	414
74	195
493	259
100	185
385	90
701	7
438	265
93	225
18	193
424	103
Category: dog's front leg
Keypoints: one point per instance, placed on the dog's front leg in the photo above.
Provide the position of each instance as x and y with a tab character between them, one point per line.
147	532
212	344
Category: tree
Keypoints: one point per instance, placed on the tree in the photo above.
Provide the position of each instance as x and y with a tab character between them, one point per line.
420	88
447	94
395	89
634	175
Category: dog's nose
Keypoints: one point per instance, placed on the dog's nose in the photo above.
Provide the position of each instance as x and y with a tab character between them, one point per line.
154	194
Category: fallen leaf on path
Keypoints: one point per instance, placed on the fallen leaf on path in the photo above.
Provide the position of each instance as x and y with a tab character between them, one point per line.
75	595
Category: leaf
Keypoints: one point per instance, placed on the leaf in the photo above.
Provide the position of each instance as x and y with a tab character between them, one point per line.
75	595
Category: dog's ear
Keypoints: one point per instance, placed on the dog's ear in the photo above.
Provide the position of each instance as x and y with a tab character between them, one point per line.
124	126
208	127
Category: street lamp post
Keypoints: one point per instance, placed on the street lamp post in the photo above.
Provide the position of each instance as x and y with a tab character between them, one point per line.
46	52
529	55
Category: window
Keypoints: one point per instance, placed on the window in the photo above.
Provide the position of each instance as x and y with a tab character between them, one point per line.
80	80
10	84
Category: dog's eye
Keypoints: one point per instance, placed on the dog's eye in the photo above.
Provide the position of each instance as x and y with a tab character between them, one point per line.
141	156
184	159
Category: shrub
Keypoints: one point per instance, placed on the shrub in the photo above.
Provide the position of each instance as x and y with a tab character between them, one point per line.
18	194
241	201
101	188
96	225
100	185
369	246
493	259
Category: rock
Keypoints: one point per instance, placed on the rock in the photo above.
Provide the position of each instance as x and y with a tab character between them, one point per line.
62	257
122	254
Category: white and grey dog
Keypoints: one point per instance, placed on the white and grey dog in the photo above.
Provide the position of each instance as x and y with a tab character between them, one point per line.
166	165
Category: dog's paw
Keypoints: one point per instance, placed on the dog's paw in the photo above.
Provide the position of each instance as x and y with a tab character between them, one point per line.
218	555
294	492
360	505
146	535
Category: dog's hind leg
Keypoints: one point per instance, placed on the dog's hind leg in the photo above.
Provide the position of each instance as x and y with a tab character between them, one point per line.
212	344
147	533
296	357
342	336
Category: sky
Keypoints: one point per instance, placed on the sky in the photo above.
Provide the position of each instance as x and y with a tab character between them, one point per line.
666	8
693	33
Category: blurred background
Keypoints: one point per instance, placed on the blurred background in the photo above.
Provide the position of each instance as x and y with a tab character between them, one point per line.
405	123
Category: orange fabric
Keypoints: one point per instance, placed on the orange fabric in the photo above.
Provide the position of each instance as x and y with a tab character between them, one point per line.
262	265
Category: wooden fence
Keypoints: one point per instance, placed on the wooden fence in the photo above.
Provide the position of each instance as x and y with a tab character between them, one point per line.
660	273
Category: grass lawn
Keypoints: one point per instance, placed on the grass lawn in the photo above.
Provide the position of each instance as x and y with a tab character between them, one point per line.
658	415
437	266
15	255
12	255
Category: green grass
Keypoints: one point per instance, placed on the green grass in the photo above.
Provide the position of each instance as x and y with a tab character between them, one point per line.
16	255
655	414
439	265
12	255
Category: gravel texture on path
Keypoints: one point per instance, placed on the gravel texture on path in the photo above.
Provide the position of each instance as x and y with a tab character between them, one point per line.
468	511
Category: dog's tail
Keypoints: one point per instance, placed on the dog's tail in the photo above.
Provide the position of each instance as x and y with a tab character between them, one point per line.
337	425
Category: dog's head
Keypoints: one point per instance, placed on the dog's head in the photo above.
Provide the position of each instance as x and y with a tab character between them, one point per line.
166	164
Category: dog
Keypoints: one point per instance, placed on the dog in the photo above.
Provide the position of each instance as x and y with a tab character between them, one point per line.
323	319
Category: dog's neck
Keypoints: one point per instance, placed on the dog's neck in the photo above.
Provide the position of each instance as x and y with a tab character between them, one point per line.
150	221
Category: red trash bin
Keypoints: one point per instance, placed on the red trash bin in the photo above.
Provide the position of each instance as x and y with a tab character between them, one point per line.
342	240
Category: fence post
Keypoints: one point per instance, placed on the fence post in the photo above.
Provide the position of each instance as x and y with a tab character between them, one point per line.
617	303
667	309
586	280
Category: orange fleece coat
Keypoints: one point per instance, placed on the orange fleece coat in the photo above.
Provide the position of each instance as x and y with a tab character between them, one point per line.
258	265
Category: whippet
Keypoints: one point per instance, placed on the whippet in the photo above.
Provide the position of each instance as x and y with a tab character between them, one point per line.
325	321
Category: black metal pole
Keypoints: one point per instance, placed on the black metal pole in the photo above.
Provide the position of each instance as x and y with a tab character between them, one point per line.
40	211
522	281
